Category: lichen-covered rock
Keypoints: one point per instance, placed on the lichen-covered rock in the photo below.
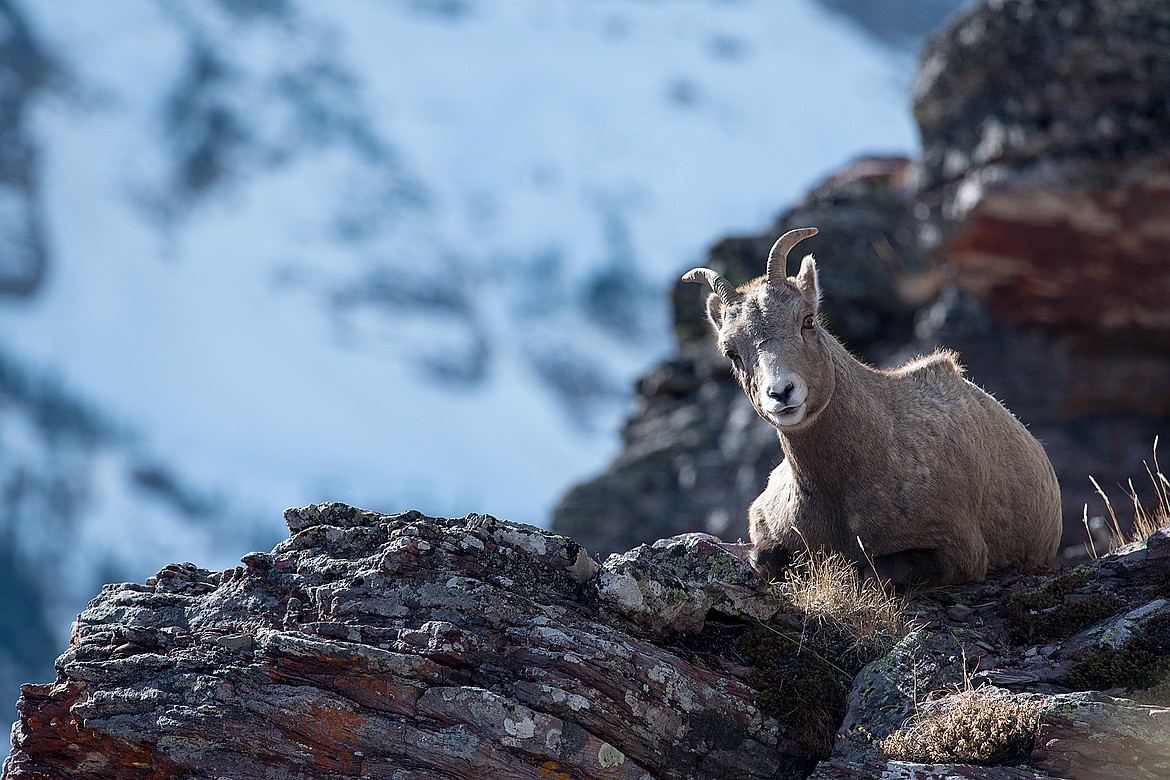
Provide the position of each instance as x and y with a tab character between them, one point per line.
1098	737
674	583
886	691
1079	736
1056	640
405	646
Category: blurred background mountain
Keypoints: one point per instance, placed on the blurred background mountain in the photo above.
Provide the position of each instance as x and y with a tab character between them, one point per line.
401	253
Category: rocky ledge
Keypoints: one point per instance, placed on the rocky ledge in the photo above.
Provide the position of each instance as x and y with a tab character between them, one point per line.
403	646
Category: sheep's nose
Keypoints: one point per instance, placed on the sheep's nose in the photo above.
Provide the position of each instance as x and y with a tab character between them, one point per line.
781	396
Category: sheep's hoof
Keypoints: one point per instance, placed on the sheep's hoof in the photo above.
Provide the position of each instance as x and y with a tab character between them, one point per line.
770	560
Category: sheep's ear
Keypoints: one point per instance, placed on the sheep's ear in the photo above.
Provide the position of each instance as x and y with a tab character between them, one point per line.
808	282
715	311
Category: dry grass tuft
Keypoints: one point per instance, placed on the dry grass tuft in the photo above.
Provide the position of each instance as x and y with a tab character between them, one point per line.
968	727
845	616
1146	520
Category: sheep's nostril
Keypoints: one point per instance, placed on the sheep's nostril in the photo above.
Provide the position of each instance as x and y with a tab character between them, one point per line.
783	396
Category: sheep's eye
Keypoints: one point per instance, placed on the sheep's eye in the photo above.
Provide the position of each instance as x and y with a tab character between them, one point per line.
809	321
733	356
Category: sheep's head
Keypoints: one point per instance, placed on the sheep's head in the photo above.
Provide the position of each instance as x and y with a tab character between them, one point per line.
769	330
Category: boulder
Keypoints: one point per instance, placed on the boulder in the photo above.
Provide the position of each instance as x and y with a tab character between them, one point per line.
405	646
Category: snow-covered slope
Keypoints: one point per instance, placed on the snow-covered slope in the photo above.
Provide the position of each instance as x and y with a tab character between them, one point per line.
408	253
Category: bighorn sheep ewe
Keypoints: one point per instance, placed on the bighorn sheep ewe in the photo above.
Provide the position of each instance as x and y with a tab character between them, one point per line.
915	474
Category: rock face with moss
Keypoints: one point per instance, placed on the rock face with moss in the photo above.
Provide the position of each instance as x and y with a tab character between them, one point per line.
1066	674
409	647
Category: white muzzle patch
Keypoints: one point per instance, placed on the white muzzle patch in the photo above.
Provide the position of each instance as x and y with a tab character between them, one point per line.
784	399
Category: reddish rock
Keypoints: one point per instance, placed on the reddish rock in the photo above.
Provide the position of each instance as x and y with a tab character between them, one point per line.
1046	189
1076	249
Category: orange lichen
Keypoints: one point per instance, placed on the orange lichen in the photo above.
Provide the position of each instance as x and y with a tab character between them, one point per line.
551	769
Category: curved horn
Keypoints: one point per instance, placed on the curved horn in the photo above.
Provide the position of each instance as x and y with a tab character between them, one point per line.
778	257
723	288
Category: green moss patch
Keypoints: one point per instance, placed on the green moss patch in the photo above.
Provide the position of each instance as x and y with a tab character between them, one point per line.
1142	662
798	688
803	691
1046	614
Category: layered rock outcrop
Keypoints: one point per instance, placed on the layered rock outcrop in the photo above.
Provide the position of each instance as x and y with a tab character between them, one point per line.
412	647
1031	237
1045	172
408	647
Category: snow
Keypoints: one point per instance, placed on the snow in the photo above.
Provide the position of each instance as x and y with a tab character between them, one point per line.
470	147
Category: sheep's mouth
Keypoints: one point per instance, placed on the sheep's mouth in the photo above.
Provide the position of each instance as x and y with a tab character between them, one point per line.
788	416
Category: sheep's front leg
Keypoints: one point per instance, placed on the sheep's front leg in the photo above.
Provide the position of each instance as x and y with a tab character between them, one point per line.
770	559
